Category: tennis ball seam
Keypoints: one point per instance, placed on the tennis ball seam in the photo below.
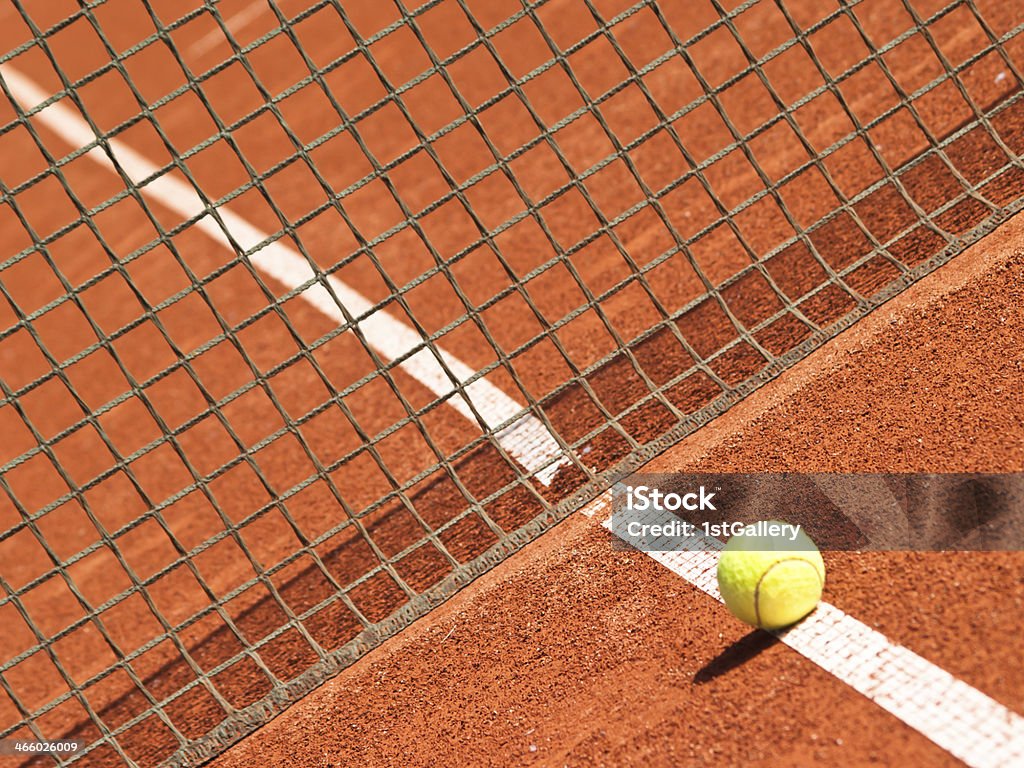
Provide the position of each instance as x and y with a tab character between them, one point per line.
757	587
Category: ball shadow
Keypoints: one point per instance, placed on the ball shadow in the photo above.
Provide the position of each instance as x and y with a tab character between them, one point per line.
740	652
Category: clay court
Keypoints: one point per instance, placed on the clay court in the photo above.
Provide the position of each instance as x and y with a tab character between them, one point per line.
326	327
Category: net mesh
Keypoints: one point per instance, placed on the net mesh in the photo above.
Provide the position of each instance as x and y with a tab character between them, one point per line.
313	312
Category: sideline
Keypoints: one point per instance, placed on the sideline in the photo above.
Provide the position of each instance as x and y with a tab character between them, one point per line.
525	437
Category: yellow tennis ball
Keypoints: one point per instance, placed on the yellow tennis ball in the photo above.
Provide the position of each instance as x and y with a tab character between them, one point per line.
768	578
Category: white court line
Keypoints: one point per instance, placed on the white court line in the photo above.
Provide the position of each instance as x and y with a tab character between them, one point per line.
527	439
960	719
235	24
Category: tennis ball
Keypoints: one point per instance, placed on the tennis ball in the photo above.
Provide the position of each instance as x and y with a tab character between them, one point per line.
770	581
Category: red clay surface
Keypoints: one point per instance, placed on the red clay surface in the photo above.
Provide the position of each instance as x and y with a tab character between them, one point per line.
247	490
574	653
